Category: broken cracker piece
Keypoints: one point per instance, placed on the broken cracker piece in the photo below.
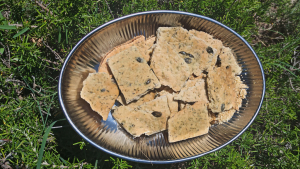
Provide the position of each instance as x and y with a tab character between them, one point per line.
148	118
221	89
169	67
228	59
173	104
146	98
138	41
214	43
194	51
100	92
132	73
190	122
193	92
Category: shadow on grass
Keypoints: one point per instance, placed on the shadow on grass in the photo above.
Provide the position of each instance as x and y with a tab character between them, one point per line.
67	136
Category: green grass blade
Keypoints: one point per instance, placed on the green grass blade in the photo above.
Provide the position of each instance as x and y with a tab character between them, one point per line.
1	51
66	35
41	152
285	69
7	27
21	32
289	45
96	163
2	18
59	34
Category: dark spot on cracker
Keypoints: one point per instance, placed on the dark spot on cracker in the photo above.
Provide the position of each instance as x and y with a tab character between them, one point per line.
209	50
190	55
148	81
140	60
156	114
214	122
103	90
223	107
188	60
182	52
227	67
218	63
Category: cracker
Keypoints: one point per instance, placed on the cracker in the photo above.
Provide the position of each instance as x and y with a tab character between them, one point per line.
194	51
214	43
225	116
100	92
228	59
146	98
240	91
220	118
132	73
169	67
173	104
190	122
138	41
193	92
221	89
149	46
148	118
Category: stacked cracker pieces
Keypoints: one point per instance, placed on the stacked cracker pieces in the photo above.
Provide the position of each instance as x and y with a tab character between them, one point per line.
181	81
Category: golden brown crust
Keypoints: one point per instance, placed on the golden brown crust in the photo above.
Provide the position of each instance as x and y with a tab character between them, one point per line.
100	92
132	73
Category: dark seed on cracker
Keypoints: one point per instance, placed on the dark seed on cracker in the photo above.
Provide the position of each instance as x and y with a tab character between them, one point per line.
218	63
190	55
188	60
209	50
182	52
103	90
222	107
148	81
139	59
227	67
156	114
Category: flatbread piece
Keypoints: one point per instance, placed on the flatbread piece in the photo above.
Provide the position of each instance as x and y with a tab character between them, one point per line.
100	92
132	73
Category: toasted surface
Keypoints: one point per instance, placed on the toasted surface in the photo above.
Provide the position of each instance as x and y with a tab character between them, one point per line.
228	59
221	88
222	117
144	118
225	116
149	46
240	91
193	91
190	122
132	73
214	43
169	67
138	41
100	92
173	104
196	52
146	98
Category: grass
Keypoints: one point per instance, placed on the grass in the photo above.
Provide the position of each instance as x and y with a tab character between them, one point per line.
36	37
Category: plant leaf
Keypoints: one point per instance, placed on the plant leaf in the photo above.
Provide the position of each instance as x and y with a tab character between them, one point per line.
21	32
1	51
7	27
41	152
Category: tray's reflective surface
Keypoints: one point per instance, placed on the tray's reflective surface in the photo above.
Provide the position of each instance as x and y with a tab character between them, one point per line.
107	135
